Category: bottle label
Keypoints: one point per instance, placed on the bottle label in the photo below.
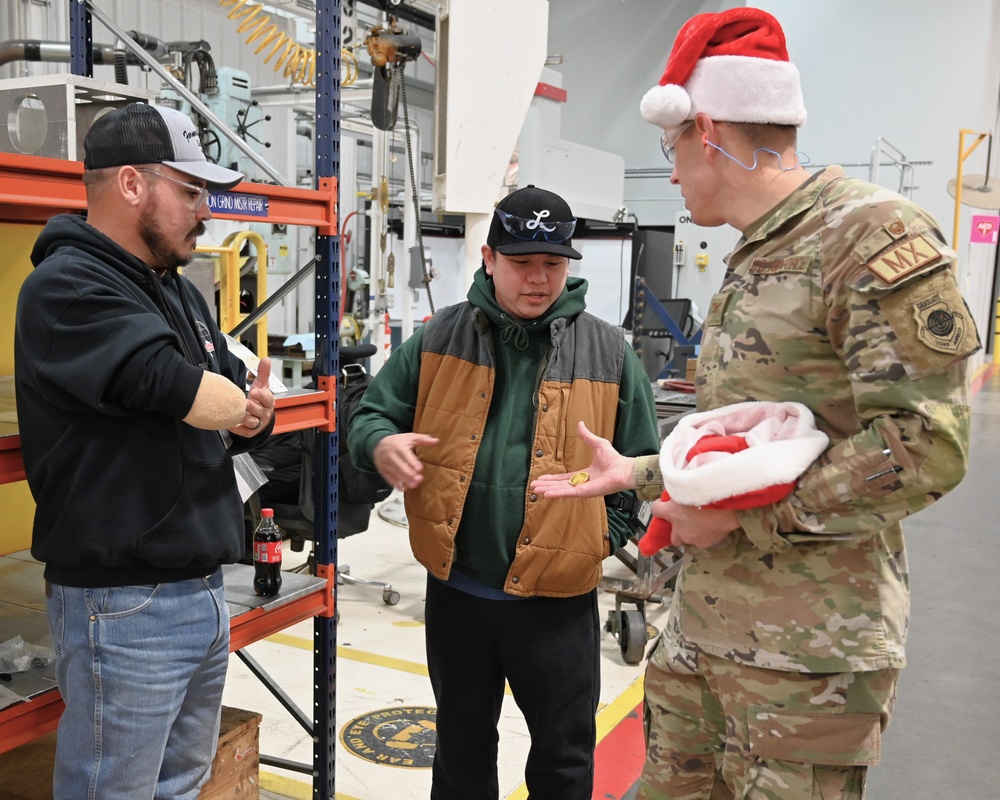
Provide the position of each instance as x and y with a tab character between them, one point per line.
267	552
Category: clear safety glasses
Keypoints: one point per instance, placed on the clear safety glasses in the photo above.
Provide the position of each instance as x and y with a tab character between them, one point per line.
668	141
197	194
538	228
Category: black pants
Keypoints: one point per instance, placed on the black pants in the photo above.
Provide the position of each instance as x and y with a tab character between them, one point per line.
548	651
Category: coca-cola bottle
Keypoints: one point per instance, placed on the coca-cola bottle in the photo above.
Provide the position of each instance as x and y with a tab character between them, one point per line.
267	555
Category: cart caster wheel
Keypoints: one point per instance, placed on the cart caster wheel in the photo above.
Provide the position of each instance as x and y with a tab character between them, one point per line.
632	636
390	597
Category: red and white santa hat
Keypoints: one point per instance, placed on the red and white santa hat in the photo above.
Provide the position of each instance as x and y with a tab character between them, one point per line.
781	442
733	66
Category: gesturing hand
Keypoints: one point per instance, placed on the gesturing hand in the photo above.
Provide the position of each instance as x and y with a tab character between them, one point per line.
610	472
260	403
396	460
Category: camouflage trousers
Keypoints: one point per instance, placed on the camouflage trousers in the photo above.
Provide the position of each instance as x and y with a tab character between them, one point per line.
718	730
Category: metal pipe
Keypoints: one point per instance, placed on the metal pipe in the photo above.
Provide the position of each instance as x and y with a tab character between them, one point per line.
186	93
411	218
291	88
273	300
378	322
664	172
57	52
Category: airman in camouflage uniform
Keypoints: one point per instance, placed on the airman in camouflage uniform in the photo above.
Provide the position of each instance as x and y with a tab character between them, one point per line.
775	674
842	299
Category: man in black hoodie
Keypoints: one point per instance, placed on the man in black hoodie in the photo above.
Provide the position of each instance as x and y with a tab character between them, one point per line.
130	408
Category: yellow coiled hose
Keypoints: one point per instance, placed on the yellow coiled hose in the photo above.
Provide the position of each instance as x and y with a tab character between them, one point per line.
296	63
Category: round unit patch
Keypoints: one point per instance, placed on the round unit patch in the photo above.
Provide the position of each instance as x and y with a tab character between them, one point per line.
941	322
395	737
940	325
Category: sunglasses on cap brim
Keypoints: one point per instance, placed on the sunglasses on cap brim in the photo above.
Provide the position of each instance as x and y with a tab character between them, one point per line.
530	229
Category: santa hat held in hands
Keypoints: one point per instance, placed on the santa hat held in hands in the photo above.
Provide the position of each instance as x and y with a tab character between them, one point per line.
733	66
740	456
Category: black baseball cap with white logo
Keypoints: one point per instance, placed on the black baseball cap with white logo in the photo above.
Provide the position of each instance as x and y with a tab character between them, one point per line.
143	134
532	220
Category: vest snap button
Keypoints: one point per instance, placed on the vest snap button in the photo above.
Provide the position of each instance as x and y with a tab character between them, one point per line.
515	579
539	453
607	537
532	497
473	437
545	406
461	479
451	522
526	540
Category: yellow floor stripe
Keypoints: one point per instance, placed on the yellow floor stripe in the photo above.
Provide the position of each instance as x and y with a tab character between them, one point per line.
619	708
359	655
353	655
289	787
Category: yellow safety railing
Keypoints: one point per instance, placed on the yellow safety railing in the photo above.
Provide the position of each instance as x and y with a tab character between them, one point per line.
962	155
228	264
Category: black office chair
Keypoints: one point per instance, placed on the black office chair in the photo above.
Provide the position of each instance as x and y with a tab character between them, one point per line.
288	462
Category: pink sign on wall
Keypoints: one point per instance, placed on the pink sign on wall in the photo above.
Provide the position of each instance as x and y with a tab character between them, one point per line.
985	229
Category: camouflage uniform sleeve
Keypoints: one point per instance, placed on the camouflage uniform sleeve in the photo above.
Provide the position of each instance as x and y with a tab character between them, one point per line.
904	333
648	481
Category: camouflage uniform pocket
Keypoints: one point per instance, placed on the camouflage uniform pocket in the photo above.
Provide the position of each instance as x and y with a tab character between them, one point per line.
781	780
814	756
859	468
831	739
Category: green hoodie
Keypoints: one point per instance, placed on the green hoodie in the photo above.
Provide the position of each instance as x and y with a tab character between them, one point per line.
494	509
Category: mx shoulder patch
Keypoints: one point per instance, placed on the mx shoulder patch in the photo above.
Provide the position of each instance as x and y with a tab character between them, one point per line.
904	258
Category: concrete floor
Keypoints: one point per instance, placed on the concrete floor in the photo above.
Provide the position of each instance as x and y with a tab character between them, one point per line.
942	741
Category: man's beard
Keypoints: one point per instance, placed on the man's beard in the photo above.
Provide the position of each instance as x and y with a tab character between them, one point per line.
158	243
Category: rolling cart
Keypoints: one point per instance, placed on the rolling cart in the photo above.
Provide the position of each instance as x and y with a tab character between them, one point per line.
653	582
653	575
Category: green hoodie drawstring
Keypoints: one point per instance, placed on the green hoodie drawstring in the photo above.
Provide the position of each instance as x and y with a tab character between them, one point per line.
518	332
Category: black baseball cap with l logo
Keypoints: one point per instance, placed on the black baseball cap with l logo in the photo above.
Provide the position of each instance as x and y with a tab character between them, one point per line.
533	220
143	134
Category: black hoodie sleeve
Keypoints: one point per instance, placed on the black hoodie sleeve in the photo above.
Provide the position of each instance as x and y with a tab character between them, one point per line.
131	361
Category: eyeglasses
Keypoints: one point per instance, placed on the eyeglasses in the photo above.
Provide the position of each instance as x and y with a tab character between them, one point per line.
669	144
198	194
529	229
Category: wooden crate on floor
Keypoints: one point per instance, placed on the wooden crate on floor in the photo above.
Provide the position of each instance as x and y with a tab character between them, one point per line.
236	768
26	771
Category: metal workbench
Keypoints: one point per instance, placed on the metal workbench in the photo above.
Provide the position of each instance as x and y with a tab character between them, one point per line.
22	612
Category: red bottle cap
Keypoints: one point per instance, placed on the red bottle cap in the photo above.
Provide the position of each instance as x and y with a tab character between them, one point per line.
267	512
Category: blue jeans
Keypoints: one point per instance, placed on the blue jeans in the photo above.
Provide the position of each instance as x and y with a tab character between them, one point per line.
141	669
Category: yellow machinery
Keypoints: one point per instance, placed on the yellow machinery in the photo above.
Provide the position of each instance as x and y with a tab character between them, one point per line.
228	266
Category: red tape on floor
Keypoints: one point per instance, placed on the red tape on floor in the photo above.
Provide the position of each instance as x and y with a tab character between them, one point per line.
619	757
